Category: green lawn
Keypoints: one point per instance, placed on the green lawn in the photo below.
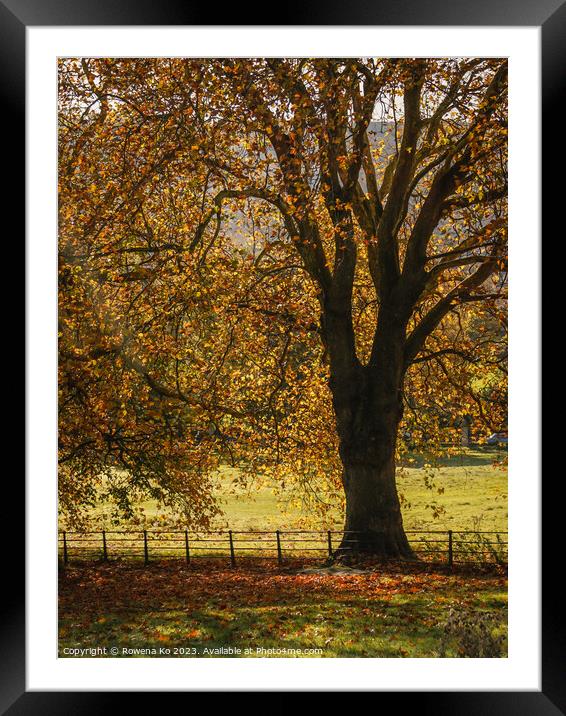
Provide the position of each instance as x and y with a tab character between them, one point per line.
185	611
469	492
464	492
205	608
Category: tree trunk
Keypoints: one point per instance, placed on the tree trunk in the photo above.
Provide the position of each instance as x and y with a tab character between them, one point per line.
368	415
374	524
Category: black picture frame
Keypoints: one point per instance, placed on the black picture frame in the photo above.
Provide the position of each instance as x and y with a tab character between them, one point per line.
550	16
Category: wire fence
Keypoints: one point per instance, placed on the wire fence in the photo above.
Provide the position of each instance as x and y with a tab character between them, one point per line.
436	546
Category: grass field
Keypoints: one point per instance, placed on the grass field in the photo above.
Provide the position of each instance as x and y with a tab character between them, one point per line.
469	493
207	609
176	610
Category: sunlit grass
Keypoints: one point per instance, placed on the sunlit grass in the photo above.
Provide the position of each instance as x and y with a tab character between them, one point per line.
466	491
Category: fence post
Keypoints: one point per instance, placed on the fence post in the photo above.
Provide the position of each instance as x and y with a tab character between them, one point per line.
187	547
65	552
329	538
145	548
104	547
450	550
279	551
232	553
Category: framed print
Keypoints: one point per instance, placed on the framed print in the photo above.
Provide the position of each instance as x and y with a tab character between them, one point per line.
267	415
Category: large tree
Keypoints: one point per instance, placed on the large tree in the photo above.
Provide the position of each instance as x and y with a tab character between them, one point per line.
277	257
